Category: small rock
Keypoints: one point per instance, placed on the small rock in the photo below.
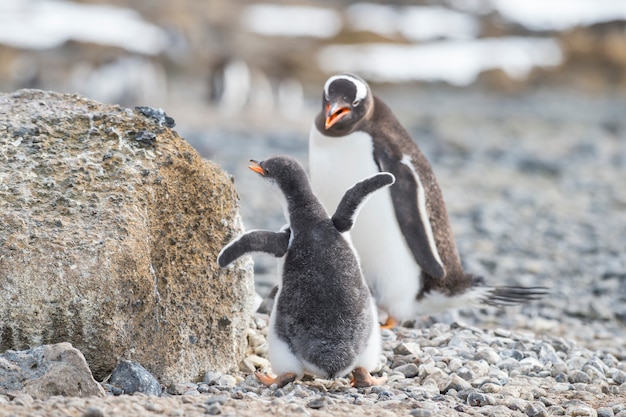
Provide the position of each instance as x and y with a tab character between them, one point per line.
502	333
210	378
154	407
581	411
220	399
48	370
226	381
556	410
478	399
562	377
93	411
530	364
420	412
408	348
182	388
619	377
113	389
213	409
457	383
385	395
536	409
455	364
576	376
515	404
410	370
430	387
459	341
490	388
319	402
23	400
465	373
605	412
131	377
297	408
489	355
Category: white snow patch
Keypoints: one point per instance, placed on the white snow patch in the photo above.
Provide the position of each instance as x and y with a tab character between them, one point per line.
291	21
416	23
44	24
457	62
560	14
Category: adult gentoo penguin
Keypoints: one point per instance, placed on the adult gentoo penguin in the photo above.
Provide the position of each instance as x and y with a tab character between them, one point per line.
324	320
403	236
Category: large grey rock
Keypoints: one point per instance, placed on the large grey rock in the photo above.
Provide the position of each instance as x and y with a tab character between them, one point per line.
46	371
110	225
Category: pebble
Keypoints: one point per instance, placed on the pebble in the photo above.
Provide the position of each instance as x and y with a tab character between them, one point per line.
93	412
605	412
409	370
619	377
480	399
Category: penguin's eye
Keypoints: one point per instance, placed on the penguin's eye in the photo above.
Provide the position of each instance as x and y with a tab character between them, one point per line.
355	103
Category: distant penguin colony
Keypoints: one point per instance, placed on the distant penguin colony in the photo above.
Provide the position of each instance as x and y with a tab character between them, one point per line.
324	320
403	235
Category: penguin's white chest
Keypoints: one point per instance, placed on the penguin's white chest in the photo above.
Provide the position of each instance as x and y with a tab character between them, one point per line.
336	164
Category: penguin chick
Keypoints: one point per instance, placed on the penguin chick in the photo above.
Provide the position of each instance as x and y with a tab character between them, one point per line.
324	320
403	236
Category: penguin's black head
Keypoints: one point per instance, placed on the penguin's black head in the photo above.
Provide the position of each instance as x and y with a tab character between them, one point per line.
283	171
347	99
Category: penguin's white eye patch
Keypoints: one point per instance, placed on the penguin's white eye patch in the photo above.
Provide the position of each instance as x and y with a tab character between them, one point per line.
355	103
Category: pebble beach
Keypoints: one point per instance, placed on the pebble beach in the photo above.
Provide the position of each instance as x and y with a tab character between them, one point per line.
534	185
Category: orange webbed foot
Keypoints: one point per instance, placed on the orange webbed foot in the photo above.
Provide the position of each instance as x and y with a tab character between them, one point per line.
362	378
390	323
280	380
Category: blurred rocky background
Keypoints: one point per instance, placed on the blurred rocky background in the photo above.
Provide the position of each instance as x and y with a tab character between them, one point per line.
519	105
204	59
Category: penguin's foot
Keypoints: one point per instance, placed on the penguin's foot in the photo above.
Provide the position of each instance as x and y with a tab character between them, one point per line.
280	380
390	323
362	378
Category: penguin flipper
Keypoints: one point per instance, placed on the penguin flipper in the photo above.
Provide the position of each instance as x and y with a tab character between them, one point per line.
274	243
355	197
409	201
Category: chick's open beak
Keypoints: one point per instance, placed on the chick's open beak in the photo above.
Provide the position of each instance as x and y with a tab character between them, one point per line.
335	111
256	167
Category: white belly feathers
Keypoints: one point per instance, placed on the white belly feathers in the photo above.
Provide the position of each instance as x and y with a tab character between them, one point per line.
337	163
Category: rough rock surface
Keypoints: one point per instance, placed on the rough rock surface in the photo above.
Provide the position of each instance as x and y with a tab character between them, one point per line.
46	371
110	225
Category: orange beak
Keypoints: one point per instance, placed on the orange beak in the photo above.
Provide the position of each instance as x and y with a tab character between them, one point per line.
256	167
334	113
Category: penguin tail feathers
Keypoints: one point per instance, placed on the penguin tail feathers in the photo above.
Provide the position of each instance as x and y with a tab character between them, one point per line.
503	296
507	295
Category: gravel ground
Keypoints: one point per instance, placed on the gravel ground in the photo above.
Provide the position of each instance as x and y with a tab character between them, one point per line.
534	187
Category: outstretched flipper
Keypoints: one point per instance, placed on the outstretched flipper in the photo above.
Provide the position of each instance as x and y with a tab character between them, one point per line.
255	241
355	197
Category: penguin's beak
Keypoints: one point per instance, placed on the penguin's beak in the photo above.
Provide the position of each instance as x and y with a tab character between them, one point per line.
256	167
335	111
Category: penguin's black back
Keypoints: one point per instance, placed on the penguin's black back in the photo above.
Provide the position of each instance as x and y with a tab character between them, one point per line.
323	307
